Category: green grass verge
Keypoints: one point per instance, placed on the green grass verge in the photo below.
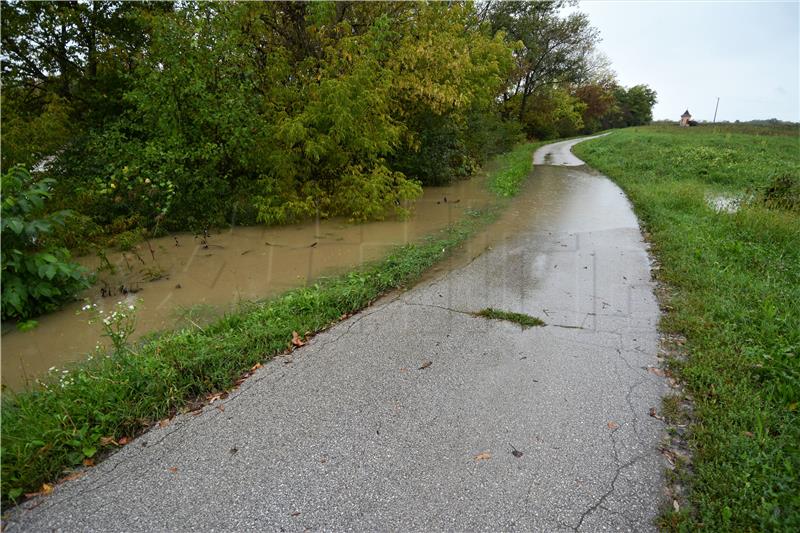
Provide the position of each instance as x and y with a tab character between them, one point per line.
511	169
526	321
48	431
734	280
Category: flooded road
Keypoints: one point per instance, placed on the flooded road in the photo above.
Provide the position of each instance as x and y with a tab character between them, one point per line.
201	277
408	415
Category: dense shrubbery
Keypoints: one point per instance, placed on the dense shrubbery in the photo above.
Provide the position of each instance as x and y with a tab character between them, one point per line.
274	112
37	275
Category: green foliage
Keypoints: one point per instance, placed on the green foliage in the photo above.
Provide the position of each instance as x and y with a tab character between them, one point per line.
632	107
37	276
555	113
736	283
274	112
28	138
551	50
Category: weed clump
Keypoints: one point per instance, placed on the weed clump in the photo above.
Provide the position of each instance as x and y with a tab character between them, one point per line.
526	321
782	192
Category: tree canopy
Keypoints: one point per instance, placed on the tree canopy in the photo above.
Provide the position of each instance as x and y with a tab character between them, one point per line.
278	111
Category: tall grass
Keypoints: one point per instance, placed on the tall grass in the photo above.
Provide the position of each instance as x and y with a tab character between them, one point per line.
736	297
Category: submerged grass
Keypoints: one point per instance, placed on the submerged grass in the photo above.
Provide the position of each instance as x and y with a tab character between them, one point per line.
114	395
512	167
526	321
735	294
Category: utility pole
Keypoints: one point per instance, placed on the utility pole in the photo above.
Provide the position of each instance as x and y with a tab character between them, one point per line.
715	111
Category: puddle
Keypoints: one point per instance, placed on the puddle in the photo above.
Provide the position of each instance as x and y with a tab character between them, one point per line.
724	203
204	277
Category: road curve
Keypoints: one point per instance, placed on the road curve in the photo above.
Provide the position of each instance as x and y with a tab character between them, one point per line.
560	153
358	432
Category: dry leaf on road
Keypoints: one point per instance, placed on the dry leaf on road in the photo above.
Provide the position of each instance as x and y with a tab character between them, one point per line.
296	340
44	491
173	469
425	365
613	425
483	456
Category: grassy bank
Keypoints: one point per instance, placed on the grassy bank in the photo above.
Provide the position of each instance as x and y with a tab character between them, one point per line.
78	415
511	168
734	280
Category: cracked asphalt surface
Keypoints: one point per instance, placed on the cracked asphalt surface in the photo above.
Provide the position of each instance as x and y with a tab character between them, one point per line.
355	432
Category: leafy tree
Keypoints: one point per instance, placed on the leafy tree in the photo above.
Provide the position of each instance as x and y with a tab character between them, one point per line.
554	113
599	98
37	275
631	107
551	50
637	104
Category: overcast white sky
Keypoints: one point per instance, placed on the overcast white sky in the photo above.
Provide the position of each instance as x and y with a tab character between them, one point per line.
747	53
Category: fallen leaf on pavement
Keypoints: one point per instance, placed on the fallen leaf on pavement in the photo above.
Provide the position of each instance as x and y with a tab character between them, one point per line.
296	513
163	423
483	456
123	441
655	370
654	414
255	367
517	453
173	469
425	365
296	340
214	397
44	491
88	462
613	425
404	369
221	407
74	475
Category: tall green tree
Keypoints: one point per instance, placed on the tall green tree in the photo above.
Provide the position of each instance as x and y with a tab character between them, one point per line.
551	50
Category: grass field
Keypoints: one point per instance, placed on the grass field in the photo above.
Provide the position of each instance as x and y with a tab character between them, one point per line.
732	270
91	408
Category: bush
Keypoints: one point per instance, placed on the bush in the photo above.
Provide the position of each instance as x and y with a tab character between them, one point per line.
37	274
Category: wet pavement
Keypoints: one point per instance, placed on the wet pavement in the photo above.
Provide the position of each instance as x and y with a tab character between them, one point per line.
539	429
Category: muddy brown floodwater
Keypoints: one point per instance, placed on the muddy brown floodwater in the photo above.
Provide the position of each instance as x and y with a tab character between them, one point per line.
248	263
202	277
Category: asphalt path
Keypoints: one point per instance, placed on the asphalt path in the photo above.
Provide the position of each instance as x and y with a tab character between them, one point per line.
415	415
